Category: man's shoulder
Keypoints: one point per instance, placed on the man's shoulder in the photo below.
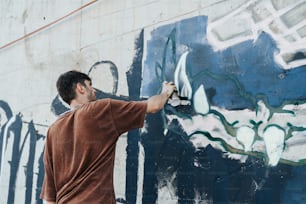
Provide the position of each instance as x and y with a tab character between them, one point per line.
110	101
60	119
97	103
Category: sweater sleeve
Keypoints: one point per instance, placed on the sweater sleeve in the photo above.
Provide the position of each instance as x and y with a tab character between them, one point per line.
128	115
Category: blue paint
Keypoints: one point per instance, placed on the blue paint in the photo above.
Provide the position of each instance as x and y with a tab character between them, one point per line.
152	142
8	114
132	149
184	29
245	73
16	156
294	191
57	106
235	78
6	108
14	127
29	169
40	178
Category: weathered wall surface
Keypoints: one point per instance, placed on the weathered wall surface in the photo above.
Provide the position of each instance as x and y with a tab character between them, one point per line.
237	133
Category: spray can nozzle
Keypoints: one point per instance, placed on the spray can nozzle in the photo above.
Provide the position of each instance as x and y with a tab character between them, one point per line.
176	100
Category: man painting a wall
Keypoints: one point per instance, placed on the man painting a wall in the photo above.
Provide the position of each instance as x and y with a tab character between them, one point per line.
80	145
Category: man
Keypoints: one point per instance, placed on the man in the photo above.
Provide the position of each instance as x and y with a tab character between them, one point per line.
80	144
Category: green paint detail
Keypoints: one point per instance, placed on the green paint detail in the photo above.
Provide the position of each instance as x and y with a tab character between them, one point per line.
160	68
229	127
160	71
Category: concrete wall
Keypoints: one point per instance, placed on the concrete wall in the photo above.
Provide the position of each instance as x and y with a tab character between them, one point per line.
235	135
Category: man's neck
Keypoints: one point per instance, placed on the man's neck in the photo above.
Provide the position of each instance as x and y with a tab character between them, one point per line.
75	104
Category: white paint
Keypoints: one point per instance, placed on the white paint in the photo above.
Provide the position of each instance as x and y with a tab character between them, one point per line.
119	178
251	28
181	79
274	141
246	135
200	102
141	158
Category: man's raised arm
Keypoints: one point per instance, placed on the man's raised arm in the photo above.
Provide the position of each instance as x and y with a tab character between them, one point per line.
157	102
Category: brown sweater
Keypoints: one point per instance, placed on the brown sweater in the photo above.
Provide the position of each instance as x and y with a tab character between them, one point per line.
80	151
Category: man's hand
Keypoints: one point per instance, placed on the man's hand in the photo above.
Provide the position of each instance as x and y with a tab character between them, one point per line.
157	102
168	88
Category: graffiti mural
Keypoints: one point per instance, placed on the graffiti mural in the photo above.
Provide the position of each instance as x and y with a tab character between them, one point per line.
22	147
21	167
236	131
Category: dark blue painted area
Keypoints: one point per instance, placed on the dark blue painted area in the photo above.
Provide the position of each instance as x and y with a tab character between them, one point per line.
186	34
132	149
16	156
6	108
234	78
294	191
11	134
239	76
152	142
206	175
298	56
40	178
8	114
176	157
29	169
33	137
57	106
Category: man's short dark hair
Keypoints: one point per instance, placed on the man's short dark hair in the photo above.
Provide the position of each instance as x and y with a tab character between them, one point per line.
67	83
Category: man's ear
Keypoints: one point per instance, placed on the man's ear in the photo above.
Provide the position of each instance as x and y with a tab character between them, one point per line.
80	88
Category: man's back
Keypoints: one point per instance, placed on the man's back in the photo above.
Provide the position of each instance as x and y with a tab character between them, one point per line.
80	150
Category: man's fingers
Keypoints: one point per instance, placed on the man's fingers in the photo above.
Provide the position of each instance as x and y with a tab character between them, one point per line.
169	85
